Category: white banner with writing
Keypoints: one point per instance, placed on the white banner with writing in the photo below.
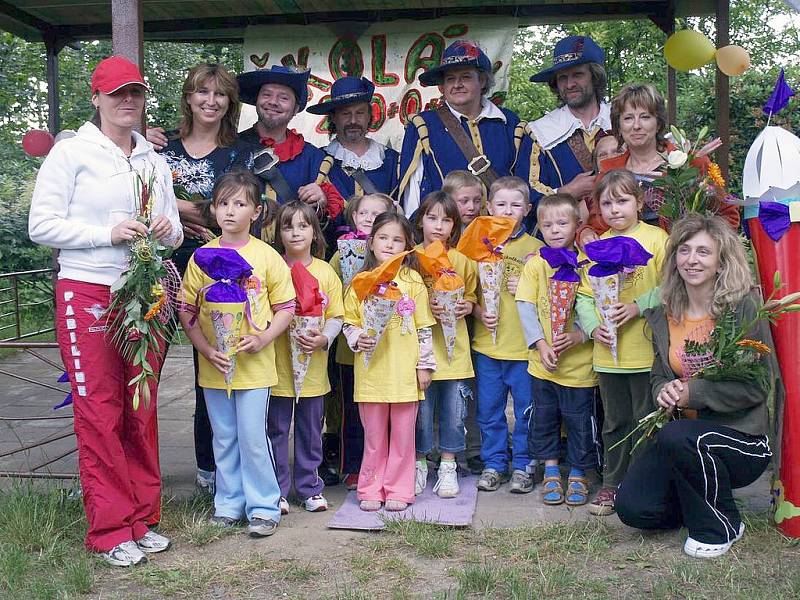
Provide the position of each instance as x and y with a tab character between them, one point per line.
391	54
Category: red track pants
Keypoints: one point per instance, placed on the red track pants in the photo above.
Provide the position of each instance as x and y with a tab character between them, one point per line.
117	446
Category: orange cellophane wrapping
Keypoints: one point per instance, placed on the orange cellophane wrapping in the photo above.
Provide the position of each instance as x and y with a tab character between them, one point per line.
434	262
495	230
368	282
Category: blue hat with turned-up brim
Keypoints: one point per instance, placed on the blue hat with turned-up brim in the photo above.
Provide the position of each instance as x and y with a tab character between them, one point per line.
461	53
570	52
250	83
344	91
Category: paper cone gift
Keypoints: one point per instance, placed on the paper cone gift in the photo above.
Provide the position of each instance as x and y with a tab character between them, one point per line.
614	257
308	317
562	287
772	188
483	241
379	295
226	298
352	252
447	289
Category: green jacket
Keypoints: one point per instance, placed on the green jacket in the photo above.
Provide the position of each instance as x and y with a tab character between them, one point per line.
734	404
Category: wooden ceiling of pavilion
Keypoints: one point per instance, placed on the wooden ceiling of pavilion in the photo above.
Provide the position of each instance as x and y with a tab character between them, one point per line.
185	20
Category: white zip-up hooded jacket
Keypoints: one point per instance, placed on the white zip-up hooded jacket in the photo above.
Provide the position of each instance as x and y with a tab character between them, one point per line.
84	188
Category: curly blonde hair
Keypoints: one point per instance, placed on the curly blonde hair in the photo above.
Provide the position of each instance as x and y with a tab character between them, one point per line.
734	280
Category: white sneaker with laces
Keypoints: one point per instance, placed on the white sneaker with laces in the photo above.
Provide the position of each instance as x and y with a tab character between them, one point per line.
152	542
447	484
697	549
316	503
284	506
421	477
126	554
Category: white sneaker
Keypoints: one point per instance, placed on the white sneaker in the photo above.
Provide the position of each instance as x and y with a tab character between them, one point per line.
126	554
447	484
697	549
284	506
152	542
421	477
316	503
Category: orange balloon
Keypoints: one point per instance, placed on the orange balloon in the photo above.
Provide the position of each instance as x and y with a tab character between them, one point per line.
733	60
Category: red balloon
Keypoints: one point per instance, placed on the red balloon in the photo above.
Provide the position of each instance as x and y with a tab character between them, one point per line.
37	142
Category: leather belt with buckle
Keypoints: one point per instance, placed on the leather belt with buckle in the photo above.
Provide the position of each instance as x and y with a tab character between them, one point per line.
479	164
264	160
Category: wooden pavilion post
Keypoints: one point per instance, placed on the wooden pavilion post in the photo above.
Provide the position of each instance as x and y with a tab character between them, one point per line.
52	47
127	33
723	99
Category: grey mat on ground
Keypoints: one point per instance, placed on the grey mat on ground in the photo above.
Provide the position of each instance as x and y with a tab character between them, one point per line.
427	507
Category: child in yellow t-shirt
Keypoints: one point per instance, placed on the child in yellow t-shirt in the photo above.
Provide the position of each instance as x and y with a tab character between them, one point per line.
502	366
388	389
234	342
448	393
299	238
625	384
560	365
360	213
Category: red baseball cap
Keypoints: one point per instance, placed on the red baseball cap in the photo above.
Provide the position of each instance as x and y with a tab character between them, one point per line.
115	72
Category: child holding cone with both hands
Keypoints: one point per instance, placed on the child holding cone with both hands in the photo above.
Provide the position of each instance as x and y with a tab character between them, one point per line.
500	355
439	222
360	213
614	293
240	291
563	382
301	356
388	324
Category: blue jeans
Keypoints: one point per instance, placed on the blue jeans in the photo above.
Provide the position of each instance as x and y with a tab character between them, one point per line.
450	397
552	405
246	481
494	379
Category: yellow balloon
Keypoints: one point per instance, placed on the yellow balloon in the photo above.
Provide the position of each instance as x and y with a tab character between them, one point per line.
733	60
688	49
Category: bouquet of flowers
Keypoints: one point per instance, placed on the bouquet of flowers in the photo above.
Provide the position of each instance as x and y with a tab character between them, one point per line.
726	355
685	189
142	312
447	289
614	258
483	242
308	316
380	297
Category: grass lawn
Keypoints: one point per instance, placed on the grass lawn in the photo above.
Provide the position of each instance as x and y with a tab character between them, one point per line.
41	556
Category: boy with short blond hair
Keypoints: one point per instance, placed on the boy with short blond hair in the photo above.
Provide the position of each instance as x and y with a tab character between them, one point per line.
502	366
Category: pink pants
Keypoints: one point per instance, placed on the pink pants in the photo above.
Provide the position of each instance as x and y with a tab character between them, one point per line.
387	469
117	446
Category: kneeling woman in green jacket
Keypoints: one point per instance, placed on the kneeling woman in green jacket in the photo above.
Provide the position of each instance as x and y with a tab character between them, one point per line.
685	478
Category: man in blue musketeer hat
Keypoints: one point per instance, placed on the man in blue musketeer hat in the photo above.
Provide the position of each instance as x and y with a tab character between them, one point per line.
466	132
292	168
363	166
557	153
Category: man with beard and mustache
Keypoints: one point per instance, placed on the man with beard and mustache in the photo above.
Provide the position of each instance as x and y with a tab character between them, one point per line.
363	166
301	169
466	132
557	153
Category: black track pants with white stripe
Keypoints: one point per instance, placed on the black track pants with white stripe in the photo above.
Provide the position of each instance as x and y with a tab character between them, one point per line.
686	476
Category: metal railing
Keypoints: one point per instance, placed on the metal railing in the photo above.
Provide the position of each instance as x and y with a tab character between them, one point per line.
27	307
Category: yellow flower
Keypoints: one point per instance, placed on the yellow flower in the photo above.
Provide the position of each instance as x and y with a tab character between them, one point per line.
157	290
715	174
754	345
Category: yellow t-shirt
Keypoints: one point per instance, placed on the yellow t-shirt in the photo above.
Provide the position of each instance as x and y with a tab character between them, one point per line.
461	365
574	365
316	382
510	339
392	372
272	285
634	339
343	354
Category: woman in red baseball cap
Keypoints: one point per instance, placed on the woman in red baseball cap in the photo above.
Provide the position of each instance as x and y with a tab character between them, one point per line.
84	204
